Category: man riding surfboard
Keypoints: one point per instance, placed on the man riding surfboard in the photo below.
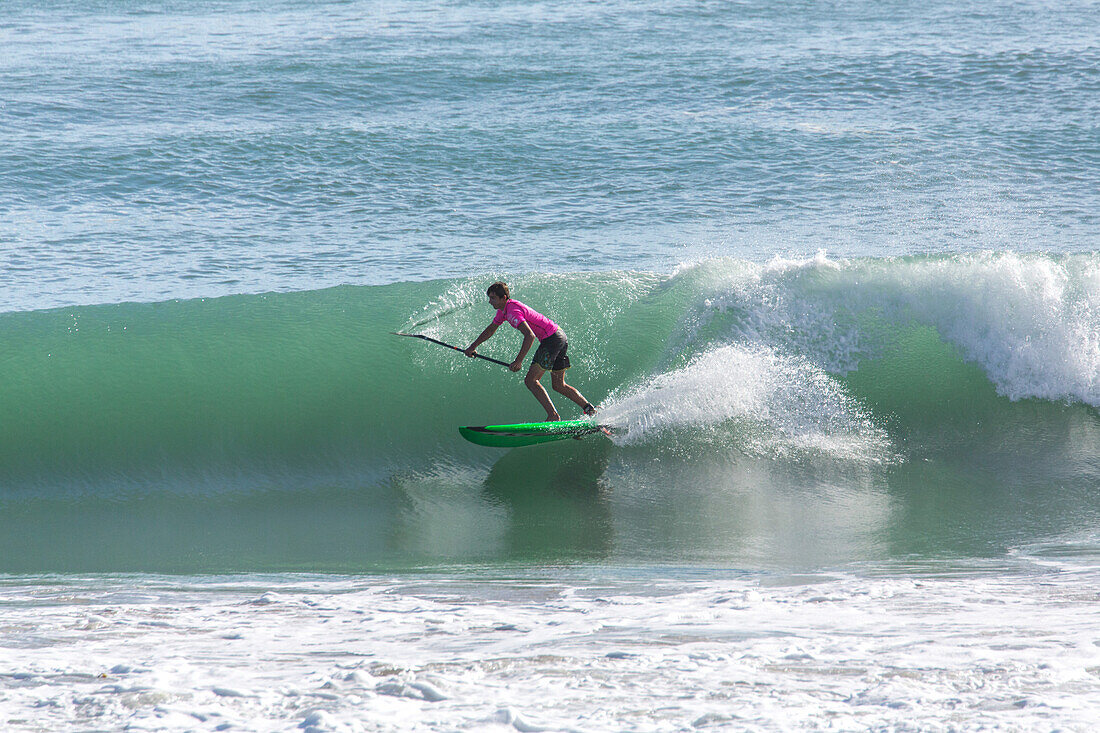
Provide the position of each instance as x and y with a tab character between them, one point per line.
549	357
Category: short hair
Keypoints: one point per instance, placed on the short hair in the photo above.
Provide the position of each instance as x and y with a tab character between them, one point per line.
498	289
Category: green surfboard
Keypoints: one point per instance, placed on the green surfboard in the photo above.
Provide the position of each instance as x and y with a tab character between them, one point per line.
529	433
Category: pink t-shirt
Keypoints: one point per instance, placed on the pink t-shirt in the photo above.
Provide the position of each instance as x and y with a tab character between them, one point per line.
516	313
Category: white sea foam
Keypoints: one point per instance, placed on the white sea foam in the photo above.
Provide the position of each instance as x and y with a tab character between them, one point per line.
991	650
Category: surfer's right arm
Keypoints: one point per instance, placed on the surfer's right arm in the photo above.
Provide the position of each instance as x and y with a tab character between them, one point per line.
489	331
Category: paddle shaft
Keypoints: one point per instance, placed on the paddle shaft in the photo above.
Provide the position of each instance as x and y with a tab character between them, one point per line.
449	346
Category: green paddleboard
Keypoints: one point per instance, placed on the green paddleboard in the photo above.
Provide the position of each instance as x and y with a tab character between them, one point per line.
529	433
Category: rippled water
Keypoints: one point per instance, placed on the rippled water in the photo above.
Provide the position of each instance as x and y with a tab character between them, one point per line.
210	148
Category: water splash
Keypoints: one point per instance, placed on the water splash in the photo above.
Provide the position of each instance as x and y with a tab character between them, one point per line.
773	403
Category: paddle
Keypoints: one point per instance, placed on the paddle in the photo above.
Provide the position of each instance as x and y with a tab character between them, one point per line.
434	341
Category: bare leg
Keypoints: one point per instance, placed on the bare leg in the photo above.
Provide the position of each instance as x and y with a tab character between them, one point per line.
534	374
557	381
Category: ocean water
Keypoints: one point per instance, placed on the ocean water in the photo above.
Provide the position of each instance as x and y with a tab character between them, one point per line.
832	270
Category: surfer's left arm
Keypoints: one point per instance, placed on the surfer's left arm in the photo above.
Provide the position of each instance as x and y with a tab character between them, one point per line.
528	342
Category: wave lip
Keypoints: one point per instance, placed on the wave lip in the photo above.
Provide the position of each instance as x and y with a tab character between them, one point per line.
1030	322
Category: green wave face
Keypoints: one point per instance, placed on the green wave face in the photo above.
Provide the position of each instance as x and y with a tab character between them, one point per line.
291	430
131	395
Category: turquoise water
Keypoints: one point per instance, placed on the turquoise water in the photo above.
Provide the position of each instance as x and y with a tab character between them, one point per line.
938	406
831	269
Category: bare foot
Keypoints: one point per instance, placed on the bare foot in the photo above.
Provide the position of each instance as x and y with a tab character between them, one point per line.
552	417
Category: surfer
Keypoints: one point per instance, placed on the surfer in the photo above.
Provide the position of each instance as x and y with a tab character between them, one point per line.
549	357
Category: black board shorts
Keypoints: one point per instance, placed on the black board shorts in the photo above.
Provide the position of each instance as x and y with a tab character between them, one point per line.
550	354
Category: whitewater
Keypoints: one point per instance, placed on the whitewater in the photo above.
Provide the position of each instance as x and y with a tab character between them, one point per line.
830	269
570	652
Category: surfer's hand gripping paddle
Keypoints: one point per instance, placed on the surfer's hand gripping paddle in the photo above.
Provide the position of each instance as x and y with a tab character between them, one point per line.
434	341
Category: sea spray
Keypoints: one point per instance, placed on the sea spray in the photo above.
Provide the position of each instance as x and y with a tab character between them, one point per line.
774	404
